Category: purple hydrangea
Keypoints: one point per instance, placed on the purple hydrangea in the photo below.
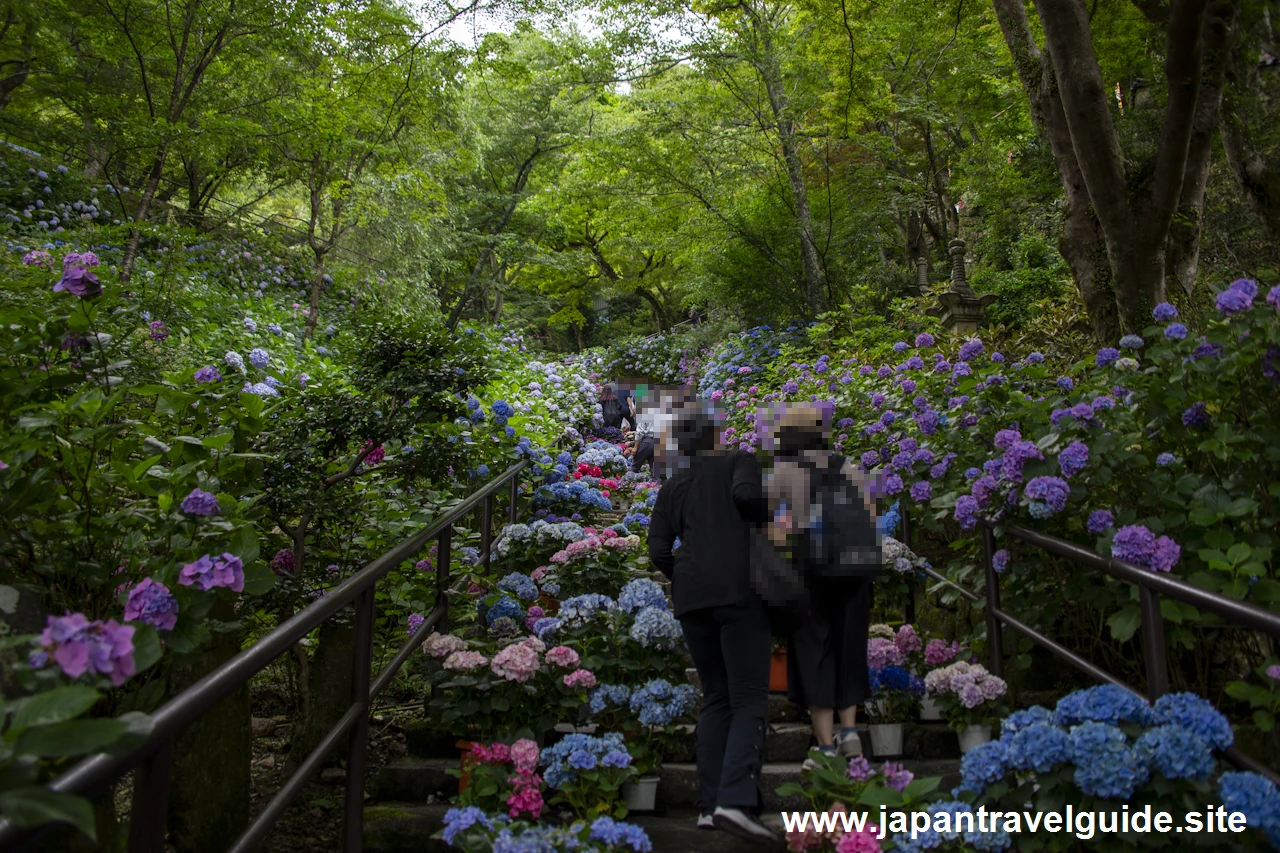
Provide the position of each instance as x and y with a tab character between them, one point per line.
924	339
1007	438
893	484
901	346
1100	521
283	562
159	332
915	363
972	473
961	370
1196	417
259	357
1065	384
79	280
1205	350
1035	358
927	421
921	491
1163	312
1166	459
1000	561
984	488
1073	458
151	603
971	349
78	646
209	572
1132	342
1233	301
1015	457
208	373
1106	356
870	459
1175	332
1048	496
966	512
1273	297
200	502
1136	544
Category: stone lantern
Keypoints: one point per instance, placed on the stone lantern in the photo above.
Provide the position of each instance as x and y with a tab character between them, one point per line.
959	308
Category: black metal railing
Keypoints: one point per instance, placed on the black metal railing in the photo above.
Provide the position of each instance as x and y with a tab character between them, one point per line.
1151	586
152	763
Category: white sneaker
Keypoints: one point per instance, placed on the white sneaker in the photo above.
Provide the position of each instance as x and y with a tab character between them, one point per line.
850	746
745	826
810	763
706	821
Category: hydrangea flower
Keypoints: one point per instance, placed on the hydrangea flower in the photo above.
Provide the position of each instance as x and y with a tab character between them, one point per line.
921	491
151	603
1191	712
971	349
1105	703
1163	312
209	572
1000	560
234	359
259	357
1255	796
209	373
1166	459
1136	544
1175	332
1107	356
1100	521
78	646
516	662
1196	417
1132	342
1073	458
1176	752
466	661
1036	746
656	628
983	765
641	593
1237	298
1106	765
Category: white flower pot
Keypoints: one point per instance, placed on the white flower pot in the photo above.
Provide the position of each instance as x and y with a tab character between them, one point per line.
641	795
930	710
886	739
973	736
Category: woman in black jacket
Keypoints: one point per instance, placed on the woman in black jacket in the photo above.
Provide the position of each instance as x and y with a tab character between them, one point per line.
709	504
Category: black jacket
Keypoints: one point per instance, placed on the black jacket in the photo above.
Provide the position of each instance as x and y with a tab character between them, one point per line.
710	506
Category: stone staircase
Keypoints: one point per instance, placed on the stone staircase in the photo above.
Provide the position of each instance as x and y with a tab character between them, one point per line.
410	795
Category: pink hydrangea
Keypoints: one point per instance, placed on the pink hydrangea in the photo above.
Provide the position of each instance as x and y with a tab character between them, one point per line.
907	640
938	653
992	687
524	754
465	661
970	696
442	645
495	753
516	662
209	572
560	557
580	678
860	842
1273	672
608	533
882	653
539	573
534	643
526	794
563	656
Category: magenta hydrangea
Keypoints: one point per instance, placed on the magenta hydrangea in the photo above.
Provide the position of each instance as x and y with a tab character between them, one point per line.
208	572
151	603
283	562
78	646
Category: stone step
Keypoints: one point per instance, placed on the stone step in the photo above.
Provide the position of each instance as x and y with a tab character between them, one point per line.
679	786
415	780
407	828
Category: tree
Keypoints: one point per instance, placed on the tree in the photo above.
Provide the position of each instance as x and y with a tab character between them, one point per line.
1144	208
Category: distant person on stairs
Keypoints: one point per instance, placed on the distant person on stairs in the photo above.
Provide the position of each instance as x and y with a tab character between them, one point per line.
709	505
827	654
610	408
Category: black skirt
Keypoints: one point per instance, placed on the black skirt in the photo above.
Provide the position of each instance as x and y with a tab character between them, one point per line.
827	655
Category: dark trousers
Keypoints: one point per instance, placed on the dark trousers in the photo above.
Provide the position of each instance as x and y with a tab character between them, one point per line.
643	455
827	654
629	419
730	647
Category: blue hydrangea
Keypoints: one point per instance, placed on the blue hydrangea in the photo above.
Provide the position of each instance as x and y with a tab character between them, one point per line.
259	357
545	628
641	593
1163	312
1176	752
1195	715
1131	342
1166	459
573	752
274	328
521	586
656	628
502	409
658	703
504	607
1106	703
608	696
983	765
1019	720
1256	797
234	359
1106	765
1038	746
458	820
619	834
579	610
932	838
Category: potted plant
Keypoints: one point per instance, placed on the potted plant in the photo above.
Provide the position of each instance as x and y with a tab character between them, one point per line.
587	773
937	654
896	694
501	777
647	716
971	700
778	667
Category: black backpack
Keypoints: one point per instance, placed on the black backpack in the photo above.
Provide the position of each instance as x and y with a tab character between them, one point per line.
840	541
612	412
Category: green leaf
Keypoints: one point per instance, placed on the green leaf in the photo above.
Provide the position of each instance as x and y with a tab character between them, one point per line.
218	441
919	788
1239	552
55	706
258	579
1264	719
146	646
1125	622
245	544
74	737
36	805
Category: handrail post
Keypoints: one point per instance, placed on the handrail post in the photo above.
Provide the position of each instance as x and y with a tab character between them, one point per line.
995	643
486	528
905	520
150	809
358	739
515	499
443	560
1153	650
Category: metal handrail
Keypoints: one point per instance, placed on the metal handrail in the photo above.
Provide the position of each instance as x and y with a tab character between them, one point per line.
153	760
1150	587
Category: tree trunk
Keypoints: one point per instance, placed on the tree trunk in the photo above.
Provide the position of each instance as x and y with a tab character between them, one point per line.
144	208
209	797
329	691
317	284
